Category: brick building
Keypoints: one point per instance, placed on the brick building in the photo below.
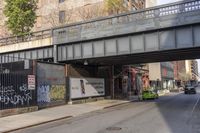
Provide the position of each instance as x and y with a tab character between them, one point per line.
186	70
162	74
179	69
52	13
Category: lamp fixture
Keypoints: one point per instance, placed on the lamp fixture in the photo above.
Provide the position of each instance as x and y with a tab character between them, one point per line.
85	62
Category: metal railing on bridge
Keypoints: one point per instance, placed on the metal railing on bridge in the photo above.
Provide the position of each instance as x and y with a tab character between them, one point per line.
27	37
73	30
106	26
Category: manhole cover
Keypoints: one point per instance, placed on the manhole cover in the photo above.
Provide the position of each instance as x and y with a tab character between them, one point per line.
114	128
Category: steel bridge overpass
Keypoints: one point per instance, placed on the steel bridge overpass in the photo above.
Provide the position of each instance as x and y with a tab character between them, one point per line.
167	32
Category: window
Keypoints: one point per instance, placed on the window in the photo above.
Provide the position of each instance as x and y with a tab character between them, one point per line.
62	16
61	1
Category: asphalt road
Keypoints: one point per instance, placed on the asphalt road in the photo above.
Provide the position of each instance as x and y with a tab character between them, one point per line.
169	114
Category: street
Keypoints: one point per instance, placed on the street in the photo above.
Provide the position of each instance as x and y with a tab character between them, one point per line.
99	66
175	113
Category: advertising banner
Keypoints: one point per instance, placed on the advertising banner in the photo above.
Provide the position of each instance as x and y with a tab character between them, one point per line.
86	87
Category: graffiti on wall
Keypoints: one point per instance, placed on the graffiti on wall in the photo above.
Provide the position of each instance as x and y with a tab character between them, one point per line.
50	93
57	92
13	96
51	84
43	94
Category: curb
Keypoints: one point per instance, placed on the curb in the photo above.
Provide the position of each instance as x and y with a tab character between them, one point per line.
117	105
66	117
163	94
40	123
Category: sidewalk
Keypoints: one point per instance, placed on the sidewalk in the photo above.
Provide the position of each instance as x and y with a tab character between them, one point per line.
20	121
163	92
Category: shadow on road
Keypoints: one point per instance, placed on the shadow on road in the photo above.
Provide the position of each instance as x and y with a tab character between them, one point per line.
181	113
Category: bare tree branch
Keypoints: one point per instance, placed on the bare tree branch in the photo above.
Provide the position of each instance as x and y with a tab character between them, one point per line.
90	12
53	17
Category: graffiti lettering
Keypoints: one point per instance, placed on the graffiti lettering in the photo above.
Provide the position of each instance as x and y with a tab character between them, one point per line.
9	95
50	93
57	92
43	94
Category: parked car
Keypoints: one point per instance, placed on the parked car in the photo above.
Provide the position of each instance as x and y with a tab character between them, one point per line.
149	95
196	85
189	89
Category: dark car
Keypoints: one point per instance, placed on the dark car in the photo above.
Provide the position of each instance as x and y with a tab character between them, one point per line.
189	89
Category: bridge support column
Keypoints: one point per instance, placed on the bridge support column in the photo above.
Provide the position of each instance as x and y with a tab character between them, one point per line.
55	53
112	82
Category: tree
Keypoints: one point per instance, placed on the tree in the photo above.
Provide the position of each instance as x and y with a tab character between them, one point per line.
21	15
90	12
50	14
115	6
53	17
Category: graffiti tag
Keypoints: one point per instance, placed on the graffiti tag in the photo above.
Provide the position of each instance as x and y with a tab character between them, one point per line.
11	95
57	92
43	94
50	93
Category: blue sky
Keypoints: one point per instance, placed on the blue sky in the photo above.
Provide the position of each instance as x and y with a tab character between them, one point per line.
160	2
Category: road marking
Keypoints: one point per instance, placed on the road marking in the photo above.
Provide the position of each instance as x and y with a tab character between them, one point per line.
195	105
190	118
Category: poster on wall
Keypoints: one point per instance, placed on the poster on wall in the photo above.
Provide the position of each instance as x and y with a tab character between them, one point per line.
86	87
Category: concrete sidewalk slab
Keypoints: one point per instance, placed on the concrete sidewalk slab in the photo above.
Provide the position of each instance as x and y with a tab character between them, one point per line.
20	121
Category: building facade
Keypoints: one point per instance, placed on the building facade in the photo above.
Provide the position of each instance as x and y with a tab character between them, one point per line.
195	74
192	69
167	74
3	29
179	70
186	70
53	13
161	75
150	3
